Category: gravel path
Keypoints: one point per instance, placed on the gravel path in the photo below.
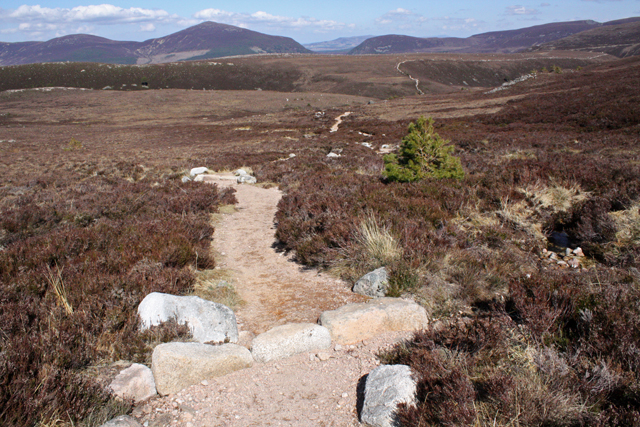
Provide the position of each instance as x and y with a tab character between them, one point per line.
309	389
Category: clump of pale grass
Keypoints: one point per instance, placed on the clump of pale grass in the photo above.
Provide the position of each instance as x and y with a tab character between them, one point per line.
55	280
557	197
378	242
519	216
217	286
628	224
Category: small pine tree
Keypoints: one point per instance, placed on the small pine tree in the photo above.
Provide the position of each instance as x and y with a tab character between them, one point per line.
423	154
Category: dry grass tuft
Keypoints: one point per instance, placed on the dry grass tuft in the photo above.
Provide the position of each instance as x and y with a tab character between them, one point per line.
628	225
555	196
56	282
378	243
217	286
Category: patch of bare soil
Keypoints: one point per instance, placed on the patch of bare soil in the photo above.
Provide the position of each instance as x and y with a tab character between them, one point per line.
275	289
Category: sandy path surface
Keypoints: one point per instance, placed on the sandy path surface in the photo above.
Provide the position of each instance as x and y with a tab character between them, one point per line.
309	389
276	289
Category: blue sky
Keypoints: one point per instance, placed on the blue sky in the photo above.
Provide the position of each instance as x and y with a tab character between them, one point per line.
304	21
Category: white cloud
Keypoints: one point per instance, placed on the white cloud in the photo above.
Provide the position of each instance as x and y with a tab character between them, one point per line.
105	14
38	21
402	19
265	19
520	10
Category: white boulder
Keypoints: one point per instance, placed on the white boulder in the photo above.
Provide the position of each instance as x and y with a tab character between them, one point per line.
136	382
198	171
287	340
356	322
178	365
246	179
386	387
207	320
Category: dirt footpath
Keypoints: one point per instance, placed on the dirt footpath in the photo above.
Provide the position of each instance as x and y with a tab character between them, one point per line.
276	289
310	389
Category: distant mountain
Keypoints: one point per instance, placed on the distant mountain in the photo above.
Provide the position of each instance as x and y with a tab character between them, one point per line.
619	38
339	45
493	42
213	40
206	40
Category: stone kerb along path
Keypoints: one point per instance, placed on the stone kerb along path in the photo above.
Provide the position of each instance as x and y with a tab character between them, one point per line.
289	370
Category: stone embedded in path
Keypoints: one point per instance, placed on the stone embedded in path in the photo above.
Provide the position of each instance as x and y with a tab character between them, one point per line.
373	284
178	365
136	382
122	421
387	386
198	171
207	320
246	179
287	340
356	322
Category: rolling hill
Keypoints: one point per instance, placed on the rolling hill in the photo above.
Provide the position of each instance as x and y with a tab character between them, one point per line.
206	40
618	38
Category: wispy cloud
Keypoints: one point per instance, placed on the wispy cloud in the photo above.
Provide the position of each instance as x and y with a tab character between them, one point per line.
408	21
104	14
401	17
267	20
521	10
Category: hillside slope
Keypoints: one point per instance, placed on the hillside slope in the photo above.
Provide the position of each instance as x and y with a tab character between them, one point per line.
618	38
206	40
493	42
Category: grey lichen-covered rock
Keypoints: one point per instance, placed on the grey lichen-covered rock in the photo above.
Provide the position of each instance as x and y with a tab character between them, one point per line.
136	382
178	365
386	387
122	421
287	340
246	179
357	322
207	320
240	172
373	284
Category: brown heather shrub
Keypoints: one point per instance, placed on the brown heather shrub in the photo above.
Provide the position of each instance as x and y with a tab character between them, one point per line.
593	320
79	255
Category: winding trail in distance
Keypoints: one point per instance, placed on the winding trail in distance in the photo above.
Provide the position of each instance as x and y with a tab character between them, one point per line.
420	92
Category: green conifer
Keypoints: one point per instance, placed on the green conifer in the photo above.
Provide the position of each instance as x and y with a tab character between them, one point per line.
423	154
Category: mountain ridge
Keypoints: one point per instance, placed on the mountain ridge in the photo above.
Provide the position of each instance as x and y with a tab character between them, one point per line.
202	41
